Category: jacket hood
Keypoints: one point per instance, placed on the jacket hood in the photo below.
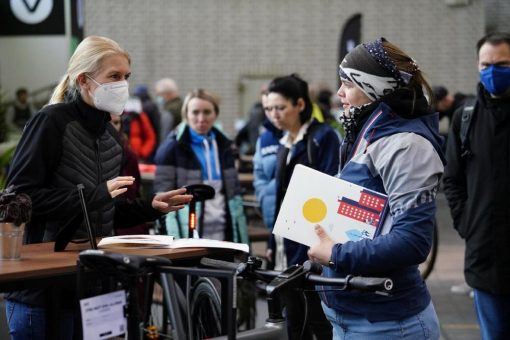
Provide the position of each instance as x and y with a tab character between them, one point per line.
408	102
426	125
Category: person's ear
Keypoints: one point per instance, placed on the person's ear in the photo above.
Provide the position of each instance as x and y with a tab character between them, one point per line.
82	81
300	104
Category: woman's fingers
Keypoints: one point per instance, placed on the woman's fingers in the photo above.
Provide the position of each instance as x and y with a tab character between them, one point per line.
171	200
117	186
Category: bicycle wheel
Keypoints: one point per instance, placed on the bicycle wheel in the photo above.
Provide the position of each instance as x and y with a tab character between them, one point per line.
205	310
159	321
426	267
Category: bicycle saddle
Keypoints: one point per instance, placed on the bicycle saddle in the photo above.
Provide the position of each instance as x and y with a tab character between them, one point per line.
200	192
100	259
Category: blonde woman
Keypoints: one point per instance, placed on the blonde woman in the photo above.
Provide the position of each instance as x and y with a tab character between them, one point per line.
197	152
70	142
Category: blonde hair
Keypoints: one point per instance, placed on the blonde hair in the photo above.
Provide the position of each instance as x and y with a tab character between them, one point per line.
87	58
201	94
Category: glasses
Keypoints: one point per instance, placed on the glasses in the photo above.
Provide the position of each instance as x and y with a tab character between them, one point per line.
277	108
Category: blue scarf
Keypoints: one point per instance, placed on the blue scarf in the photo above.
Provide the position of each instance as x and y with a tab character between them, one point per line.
206	150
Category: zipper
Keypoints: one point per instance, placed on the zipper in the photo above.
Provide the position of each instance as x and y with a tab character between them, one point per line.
99	178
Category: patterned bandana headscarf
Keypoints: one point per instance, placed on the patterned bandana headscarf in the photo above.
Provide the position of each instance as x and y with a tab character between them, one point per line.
369	67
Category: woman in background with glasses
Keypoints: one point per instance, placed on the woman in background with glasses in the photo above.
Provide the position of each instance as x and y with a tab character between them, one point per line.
289	107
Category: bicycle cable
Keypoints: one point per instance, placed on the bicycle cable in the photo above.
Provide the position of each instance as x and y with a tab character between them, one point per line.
305	320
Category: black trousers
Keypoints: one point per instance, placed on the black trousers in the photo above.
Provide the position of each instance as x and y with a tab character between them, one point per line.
300	304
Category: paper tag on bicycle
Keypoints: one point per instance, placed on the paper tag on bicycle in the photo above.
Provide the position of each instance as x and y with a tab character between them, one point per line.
102	316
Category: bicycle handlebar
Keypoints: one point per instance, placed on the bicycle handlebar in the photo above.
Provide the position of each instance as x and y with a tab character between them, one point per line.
135	263
369	284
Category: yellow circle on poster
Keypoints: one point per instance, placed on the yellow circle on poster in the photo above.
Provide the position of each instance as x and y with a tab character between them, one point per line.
314	210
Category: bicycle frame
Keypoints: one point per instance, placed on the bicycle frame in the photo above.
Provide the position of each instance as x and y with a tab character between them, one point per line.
128	268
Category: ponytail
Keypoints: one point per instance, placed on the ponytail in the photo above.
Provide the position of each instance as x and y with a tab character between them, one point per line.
58	95
407	64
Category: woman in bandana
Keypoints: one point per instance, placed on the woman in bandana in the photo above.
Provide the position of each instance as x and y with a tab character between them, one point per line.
392	146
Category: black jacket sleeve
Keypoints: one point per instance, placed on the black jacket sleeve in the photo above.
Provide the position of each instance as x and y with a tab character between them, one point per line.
454	178
33	166
129	213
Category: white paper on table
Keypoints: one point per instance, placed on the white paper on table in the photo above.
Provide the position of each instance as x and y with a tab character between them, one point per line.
102	316
165	241
346	211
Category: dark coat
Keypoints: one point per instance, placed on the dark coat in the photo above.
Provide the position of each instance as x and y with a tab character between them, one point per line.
477	191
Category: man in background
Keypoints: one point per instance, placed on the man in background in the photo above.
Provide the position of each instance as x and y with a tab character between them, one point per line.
20	111
477	183
170	104
446	104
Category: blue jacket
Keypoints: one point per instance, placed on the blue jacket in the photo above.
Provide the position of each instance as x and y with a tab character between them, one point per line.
326	152
264	169
401	158
178	165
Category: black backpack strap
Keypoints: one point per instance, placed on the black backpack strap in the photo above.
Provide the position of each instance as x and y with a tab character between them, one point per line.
465	125
311	144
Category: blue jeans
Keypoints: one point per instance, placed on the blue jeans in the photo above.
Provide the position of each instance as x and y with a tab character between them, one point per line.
493	313
25	322
29	323
423	325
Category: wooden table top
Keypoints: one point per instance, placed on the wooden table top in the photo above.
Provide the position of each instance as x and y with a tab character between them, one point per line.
39	261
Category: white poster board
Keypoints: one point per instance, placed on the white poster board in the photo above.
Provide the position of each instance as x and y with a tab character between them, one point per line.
346	211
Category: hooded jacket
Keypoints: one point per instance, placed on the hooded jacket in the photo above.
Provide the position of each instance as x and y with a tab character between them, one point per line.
264	168
178	165
396	151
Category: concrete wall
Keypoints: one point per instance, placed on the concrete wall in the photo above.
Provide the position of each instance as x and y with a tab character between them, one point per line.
496	15
227	46
216	44
32	62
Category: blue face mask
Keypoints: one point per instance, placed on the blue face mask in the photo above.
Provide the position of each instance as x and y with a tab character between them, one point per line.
495	79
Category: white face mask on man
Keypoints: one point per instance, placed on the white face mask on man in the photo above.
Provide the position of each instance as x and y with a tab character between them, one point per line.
111	97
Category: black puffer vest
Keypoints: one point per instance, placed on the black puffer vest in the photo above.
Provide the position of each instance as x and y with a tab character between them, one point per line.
90	161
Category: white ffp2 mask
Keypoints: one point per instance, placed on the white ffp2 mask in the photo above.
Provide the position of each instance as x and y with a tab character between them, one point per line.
111	97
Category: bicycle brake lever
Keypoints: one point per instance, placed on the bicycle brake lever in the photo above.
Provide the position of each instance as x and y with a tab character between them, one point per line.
312	267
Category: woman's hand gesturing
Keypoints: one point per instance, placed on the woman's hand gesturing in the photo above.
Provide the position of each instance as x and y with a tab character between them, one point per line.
117	186
171	200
